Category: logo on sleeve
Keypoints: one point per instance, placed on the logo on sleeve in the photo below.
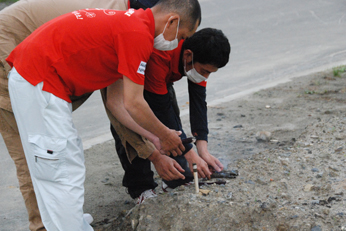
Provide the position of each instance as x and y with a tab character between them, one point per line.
141	68
129	12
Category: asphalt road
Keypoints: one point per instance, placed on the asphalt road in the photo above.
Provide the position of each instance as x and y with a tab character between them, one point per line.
272	41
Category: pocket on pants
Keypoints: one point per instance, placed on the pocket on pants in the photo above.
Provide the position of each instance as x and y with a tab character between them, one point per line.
49	154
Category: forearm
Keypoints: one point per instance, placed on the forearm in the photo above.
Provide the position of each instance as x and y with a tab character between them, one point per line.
202	147
140	111
115	105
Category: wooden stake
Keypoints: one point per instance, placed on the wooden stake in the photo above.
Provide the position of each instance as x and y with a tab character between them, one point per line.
195	175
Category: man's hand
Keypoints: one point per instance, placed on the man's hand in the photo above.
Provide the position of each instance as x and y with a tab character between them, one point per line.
170	141
139	111
166	167
202	148
202	167
156	141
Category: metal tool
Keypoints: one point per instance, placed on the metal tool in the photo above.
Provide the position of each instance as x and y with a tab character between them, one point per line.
188	140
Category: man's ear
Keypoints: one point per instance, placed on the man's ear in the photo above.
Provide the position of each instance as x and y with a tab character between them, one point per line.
187	55
173	20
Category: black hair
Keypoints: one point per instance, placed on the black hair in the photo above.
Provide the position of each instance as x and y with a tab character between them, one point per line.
137	4
189	11
209	46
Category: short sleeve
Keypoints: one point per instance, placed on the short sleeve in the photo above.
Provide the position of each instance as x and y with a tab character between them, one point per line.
157	70
133	50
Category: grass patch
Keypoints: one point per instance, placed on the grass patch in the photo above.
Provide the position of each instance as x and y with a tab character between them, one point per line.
338	70
309	92
8	1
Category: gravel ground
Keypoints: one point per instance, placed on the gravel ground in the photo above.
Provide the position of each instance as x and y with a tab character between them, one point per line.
288	144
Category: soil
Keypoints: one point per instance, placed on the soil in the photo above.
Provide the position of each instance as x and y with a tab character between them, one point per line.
288	144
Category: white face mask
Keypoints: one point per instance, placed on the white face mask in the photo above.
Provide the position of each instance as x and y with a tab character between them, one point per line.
193	75
162	44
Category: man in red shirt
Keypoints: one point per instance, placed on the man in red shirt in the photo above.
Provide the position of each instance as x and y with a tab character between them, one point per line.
196	57
75	54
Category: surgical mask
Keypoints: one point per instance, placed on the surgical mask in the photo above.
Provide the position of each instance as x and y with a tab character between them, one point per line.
193	75
162	44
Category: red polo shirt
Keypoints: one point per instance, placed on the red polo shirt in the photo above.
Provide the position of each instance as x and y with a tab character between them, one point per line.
86	50
163	68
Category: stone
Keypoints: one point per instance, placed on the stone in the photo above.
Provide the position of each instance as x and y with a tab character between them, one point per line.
319	175
261	181
326	211
294	216
229	195
308	187
282	227
204	192
263	136
316	228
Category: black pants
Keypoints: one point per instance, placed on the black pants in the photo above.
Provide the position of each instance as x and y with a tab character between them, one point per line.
138	175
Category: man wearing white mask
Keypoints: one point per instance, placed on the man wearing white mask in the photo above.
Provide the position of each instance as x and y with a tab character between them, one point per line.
74	54
196	58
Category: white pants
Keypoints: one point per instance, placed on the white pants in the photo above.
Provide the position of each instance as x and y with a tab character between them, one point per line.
54	154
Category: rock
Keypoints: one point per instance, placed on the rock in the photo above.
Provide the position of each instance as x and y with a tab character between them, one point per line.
229	195
339	137
285	155
263	136
319	216
323	202
326	211
265	206
334	169
316	228
314	170
261	181
315	202
339	149
284	183
285	196
333	174
204	192
250	182
284	162
339	193
308	187
282	227
319	175
106	181
238	126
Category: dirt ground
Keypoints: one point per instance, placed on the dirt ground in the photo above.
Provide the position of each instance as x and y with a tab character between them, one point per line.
295	180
